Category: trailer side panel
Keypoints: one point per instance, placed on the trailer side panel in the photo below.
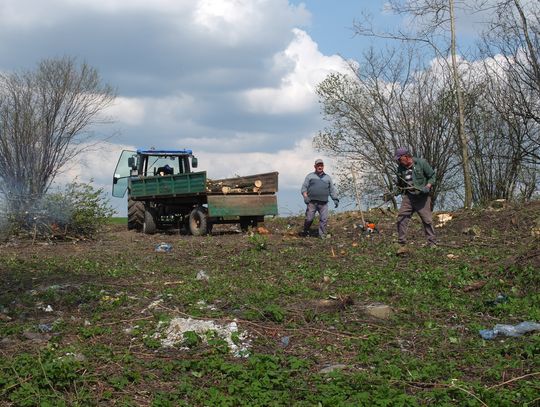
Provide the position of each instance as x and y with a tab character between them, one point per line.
242	205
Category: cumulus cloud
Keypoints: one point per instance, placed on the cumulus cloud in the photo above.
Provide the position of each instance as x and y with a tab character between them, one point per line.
232	79
305	67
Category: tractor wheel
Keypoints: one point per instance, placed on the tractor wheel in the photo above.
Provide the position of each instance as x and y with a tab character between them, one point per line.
149	225
198	221
135	214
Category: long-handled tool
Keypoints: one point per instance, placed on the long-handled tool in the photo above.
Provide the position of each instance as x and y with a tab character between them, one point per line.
357	194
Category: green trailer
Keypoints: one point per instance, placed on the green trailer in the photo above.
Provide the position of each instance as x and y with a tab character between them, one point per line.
163	192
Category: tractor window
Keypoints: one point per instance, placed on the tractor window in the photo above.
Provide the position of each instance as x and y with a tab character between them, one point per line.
122	173
156	163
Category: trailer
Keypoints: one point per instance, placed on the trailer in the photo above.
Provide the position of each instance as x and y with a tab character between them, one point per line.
164	192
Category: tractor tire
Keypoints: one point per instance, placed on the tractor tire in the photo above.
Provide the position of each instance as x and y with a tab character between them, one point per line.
198	222
150	221
135	214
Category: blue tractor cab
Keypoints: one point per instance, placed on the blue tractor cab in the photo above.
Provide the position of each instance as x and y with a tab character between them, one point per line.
150	162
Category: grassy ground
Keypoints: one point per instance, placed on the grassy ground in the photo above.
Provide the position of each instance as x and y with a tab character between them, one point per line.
118	220
82	323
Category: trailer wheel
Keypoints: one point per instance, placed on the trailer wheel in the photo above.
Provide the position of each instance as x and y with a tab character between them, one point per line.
246	222
198	221
149	225
135	214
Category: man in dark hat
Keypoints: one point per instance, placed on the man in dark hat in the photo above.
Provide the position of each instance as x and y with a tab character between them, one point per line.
315	190
415	180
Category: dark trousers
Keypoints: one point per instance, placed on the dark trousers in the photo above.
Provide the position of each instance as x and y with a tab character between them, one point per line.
312	208
422	205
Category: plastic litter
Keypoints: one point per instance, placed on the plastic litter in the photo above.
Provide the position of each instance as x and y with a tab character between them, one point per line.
163	248
45	328
499	299
285	341
509	330
173	334
202	276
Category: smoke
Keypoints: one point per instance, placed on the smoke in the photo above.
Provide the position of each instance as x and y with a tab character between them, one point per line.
37	215
75	209
4	224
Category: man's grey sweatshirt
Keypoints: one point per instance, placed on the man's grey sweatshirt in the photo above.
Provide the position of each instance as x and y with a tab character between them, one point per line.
319	187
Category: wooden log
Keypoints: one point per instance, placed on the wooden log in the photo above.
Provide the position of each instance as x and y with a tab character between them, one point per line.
266	183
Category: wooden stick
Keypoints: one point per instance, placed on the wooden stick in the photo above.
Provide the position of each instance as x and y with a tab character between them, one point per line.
514	379
357	194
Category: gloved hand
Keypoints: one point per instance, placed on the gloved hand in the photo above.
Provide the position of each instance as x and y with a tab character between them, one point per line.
307	200
426	190
336	203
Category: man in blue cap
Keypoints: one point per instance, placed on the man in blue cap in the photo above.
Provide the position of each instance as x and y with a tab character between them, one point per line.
415	180
315	190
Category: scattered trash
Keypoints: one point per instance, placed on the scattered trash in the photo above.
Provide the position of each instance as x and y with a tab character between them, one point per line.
48	308
380	311
285	341
45	328
173	335
509	330
499	299
163	248
331	368
474	286
452	256
202	276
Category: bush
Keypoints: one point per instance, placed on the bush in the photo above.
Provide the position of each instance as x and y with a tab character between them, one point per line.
79	210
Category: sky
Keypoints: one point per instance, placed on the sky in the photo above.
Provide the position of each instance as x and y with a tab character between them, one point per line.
233	80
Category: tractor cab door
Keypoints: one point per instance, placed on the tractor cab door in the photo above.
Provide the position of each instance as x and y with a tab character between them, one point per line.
125	168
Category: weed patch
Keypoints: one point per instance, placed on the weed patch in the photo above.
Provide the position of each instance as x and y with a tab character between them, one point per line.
96	322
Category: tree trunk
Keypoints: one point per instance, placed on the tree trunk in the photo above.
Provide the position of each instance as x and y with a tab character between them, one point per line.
461	115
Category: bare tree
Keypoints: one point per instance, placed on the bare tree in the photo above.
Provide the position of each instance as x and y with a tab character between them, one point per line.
386	102
496	145
46	117
512	45
433	21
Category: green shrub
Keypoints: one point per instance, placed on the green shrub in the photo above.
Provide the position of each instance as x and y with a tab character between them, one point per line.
85	206
79	210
